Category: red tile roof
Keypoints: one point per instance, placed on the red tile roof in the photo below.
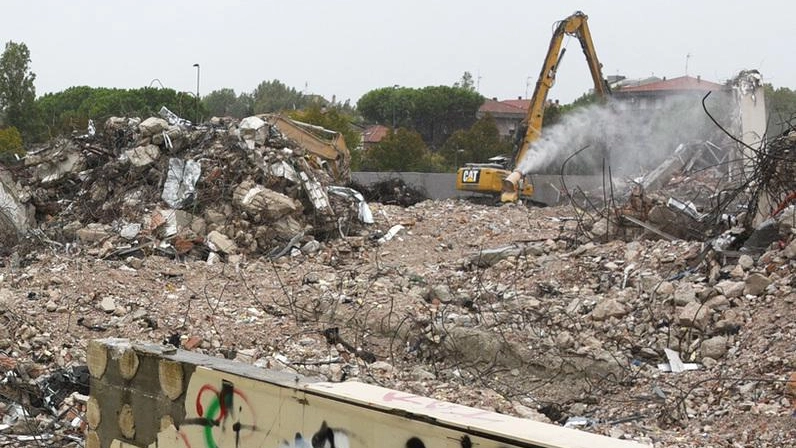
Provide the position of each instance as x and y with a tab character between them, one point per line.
375	133
675	84
500	107
522	104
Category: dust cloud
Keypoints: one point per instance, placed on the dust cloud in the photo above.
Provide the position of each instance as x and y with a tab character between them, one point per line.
629	140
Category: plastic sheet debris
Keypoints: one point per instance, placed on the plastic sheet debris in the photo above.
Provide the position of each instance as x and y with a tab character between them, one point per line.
172	118
283	169
577	421
365	214
394	230
180	186
675	365
688	208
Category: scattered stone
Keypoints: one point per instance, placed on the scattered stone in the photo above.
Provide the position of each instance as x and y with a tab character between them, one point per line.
746	262
730	289
531	414
756	284
714	347
421	374
695	315
381	366
439	293
607	308
220	243
93	233
108	304
152	126
684	294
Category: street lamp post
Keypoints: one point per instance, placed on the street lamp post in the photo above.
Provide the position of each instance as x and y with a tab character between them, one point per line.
456	158
196	100
394	88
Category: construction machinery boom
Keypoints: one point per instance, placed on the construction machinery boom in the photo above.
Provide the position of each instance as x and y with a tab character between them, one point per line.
484	178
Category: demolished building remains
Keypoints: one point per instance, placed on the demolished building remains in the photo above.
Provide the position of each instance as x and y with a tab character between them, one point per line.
163	185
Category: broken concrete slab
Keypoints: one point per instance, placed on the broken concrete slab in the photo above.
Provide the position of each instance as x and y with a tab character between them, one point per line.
254	131
53	163
219	242
257	199
152	126
142	156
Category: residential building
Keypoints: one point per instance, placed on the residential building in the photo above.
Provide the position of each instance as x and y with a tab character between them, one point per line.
373	135
508	114
652	95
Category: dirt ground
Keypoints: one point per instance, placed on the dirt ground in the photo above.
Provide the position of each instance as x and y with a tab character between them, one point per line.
500	308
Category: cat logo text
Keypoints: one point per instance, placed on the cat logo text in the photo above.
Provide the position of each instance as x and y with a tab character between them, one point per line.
470	176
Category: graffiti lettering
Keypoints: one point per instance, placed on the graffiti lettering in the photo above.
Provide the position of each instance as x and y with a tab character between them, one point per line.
441	406
325	437
220	411
396	396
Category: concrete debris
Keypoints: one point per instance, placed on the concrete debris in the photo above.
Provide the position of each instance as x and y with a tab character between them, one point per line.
364	214
152	126
15	218
392	233
172	118
512	309
180	186
142	156
244	180
253	131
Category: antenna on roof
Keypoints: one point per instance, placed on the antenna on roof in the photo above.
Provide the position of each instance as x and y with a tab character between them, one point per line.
527	85
687	57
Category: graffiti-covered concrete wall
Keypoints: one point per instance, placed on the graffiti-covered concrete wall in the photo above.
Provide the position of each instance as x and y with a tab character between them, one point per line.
150	396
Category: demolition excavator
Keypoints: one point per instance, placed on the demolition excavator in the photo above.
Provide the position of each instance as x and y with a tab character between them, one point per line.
507	181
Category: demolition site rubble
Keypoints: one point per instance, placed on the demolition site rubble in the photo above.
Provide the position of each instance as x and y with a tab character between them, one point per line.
227	187
674	328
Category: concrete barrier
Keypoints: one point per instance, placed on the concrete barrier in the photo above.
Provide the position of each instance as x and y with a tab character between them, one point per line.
158	396
547	187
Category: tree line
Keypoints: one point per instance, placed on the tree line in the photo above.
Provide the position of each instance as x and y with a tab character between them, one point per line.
430	129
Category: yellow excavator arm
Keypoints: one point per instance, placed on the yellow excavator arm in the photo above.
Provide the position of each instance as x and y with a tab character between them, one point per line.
575	25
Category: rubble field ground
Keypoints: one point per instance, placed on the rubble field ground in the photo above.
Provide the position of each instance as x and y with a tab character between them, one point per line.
514	309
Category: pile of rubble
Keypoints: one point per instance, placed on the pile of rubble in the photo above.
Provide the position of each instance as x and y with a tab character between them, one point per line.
676	342
163	185
700	193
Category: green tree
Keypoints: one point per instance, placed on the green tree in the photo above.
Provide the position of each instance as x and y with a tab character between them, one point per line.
10	145
224	103
274	96
69	111
435	111
401	150
466	82
219	102
476	144
17	93
781	108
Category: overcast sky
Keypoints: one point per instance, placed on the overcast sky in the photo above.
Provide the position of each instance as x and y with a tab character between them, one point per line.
346	48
